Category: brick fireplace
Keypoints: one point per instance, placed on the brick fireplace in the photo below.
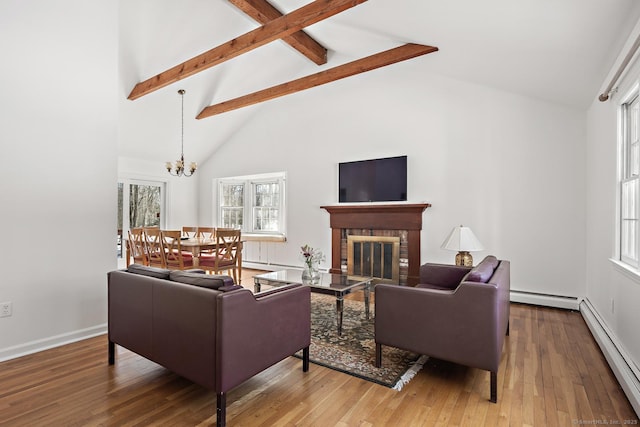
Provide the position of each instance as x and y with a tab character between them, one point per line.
401	221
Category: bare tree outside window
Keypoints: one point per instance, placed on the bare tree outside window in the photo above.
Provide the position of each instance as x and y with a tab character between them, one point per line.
232	205
139	205
144	206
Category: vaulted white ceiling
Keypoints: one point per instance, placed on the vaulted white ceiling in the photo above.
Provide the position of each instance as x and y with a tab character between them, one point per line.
555	50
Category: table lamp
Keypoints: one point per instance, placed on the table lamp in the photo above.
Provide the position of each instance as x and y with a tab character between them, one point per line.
463	240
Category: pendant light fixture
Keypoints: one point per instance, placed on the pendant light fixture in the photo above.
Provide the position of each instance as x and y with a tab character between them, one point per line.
178	169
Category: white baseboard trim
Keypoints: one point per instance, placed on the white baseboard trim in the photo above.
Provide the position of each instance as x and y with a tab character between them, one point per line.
620	362
51	342
557	301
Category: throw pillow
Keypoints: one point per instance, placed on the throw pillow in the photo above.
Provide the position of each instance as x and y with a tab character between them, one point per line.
159	273
492	261
483	271
201	279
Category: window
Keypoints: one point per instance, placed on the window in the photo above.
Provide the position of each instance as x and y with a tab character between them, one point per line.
629	179
256	203
231	204
140	204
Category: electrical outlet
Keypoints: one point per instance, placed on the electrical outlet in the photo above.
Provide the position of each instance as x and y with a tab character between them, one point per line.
5	309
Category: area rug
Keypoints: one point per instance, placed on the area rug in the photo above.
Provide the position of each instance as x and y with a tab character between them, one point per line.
354	352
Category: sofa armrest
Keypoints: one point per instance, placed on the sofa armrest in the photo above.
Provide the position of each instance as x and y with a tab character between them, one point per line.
458	325
442	275
255	332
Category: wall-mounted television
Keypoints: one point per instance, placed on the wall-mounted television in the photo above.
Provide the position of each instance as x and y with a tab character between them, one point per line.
375	180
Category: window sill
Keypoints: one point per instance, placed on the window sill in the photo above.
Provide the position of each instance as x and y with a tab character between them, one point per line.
627	270
249	237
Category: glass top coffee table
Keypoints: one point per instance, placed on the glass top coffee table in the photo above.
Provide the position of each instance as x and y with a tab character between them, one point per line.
337	285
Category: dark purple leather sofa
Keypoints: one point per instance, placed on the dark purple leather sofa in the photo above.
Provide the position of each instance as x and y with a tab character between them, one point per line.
459	314
204	328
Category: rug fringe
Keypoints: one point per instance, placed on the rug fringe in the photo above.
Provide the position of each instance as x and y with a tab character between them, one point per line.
411	372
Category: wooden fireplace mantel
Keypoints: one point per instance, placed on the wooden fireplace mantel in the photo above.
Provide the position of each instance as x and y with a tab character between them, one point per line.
378	217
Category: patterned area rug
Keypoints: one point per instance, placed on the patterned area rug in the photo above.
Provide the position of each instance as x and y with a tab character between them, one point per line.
354	352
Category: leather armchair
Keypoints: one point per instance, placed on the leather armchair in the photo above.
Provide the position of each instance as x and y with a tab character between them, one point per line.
458	314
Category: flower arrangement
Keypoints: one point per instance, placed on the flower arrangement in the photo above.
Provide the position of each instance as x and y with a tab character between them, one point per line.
311	256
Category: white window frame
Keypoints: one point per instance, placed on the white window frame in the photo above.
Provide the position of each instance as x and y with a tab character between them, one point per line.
127	182
126	225
249	182
628	206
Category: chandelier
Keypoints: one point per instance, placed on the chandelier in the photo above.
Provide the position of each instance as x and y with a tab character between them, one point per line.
178	169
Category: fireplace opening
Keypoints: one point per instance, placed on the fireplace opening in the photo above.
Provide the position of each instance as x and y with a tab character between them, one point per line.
374	256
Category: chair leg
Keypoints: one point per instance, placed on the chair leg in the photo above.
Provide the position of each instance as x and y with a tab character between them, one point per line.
221	409
378	355
508	324
305	359
112	352
494	387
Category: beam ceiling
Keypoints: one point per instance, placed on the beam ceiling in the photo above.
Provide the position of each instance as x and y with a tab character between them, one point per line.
369	63
263	12
278	28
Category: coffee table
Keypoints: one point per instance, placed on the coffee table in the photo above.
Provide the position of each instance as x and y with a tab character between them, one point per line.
337	285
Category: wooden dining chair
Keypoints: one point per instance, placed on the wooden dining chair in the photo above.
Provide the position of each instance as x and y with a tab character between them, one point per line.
175	257
155	253
137	247
206	232
190	232
227	254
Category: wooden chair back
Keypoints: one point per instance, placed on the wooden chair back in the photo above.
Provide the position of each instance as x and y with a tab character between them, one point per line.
137	247
207	232
190	232
175	258
228	247
155	253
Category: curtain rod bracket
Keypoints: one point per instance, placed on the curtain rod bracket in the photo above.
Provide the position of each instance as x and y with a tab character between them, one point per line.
605	96
627	59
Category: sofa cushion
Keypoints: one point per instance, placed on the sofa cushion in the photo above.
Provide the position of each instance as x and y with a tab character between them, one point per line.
483	271
201	279
159	273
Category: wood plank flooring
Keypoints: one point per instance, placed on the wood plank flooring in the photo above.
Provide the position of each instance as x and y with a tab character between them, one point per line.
552	374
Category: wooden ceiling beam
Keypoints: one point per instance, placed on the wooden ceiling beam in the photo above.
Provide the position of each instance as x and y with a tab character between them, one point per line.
276	29
262	11
382	59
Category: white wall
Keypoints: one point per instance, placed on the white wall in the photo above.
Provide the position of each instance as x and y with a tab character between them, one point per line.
510	167
58	139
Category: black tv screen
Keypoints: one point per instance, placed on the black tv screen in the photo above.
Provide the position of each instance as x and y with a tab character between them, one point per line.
376	180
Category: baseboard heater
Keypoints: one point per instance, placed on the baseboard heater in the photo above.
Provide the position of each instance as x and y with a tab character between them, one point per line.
621	364
548	300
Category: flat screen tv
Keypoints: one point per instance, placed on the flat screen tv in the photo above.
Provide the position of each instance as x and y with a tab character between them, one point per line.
376	180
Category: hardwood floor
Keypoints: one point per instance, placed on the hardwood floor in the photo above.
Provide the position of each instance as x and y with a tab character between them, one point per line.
552	374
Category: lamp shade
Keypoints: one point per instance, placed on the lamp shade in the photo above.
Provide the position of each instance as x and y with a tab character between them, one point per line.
462	239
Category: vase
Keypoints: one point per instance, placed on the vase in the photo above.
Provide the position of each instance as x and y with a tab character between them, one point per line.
310	275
